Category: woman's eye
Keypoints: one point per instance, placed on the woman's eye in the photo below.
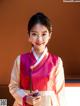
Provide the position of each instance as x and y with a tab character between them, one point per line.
34	34
43	34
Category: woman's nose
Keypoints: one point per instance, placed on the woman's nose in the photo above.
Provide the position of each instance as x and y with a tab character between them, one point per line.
39	38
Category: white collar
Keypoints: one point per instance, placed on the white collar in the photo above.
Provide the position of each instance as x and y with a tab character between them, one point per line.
35	55
39	59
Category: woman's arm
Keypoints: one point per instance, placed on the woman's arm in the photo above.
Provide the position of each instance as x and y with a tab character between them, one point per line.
60	83
14	85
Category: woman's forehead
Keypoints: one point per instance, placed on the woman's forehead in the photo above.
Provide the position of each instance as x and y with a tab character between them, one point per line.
39	28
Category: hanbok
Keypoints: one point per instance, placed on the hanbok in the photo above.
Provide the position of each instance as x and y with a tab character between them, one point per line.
47	76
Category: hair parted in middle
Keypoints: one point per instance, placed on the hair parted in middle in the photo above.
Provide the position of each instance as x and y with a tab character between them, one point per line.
39	18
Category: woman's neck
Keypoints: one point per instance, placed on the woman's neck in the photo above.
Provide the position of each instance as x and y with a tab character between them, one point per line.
39	51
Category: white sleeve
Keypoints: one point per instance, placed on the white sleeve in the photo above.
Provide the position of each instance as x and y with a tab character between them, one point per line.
14	89
60	83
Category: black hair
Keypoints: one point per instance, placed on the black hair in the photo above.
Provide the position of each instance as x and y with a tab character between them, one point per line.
41	19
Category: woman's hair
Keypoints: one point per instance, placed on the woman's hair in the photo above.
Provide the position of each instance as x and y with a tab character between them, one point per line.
41	19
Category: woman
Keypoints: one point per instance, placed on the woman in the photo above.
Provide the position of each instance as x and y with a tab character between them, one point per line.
37	77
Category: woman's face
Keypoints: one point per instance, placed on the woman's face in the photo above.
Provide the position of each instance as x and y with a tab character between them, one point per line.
39	36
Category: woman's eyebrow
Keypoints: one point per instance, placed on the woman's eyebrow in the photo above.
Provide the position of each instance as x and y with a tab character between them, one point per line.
44	31
33	31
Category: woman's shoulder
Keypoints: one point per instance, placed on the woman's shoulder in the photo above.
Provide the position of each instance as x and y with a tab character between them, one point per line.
25	54
56	58
22	55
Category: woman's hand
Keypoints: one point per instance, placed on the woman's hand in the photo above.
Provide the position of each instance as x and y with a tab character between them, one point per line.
33	98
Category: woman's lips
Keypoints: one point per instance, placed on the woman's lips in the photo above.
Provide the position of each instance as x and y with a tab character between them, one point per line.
39	43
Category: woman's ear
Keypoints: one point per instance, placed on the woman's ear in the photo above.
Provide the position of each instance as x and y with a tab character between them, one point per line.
29	39
50	35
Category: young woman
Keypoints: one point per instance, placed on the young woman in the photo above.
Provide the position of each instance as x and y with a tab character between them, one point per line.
37	77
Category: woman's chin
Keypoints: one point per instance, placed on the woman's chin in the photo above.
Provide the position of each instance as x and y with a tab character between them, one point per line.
39	48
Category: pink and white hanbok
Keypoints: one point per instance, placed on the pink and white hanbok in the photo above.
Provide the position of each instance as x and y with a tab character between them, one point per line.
47	76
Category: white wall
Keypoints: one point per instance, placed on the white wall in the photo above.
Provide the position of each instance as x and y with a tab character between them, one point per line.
72	96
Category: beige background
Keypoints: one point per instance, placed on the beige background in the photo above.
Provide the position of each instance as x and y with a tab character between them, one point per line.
65	42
